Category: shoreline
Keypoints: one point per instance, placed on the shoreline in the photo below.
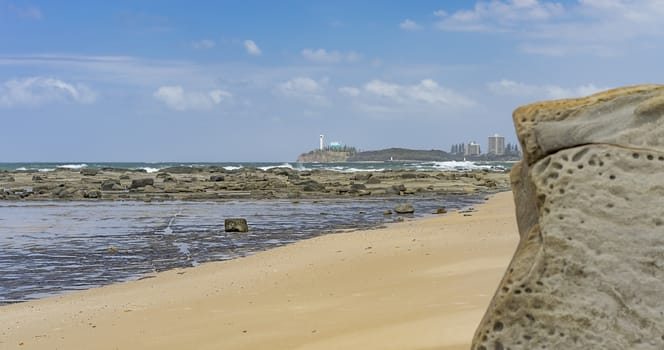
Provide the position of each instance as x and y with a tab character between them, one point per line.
412	285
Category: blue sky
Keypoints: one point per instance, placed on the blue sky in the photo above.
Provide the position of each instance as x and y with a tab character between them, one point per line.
260	80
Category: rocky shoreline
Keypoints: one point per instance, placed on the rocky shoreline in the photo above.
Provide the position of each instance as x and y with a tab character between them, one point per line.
218	184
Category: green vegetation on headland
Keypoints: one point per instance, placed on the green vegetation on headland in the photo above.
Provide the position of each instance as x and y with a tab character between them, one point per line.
393	154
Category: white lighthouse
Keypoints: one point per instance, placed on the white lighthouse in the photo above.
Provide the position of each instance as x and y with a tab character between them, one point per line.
321	141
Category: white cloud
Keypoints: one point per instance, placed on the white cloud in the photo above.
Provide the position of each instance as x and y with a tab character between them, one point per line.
34	91
426	92
499	15
252	48
324	56
176	98
507	87
409	24
203	44
381	88
555	28
349	91
304	88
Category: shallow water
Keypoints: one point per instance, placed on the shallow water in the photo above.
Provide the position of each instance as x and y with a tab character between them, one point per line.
48	248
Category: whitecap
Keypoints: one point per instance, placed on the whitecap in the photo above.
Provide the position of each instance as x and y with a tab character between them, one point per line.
72	166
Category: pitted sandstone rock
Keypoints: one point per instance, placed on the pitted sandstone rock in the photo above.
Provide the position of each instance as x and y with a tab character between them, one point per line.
589	270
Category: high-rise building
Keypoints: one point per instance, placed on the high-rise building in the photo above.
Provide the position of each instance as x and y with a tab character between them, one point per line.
496	145
472	149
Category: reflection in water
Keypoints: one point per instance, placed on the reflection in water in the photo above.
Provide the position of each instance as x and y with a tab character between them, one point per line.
51	247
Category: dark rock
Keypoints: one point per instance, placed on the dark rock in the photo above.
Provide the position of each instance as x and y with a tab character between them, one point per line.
387	212
37	178
163	175
441	210
236	225
138	183
217	178
111	185
89	172
404	209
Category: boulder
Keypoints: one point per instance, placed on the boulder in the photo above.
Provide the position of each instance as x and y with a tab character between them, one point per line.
588	271
236	225
404	209
217	178
111	185
138	183
89	172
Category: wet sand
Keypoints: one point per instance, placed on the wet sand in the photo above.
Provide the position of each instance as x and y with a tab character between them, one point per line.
421	284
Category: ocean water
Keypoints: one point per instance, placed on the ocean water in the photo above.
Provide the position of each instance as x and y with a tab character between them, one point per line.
343	167
48	248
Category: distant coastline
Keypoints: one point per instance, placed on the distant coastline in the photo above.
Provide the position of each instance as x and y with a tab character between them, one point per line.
395	155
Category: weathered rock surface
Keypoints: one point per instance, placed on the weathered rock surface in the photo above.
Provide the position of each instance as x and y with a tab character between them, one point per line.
138	183
404	209
245	183
236	225
589	270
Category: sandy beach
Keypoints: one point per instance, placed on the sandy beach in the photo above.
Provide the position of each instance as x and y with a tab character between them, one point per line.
421	284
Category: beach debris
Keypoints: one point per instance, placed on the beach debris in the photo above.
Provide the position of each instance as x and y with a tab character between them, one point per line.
236	225
441	210
138	183
587	273
404	209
